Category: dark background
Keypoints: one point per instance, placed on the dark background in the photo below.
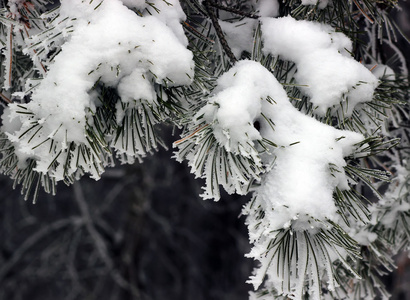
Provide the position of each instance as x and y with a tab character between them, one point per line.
139	232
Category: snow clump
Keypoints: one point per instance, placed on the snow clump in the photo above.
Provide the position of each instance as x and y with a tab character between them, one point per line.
325	70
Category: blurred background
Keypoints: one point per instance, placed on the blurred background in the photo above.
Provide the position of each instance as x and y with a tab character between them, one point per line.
141	232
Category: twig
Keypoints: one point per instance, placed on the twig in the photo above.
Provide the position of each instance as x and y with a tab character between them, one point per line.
11	55
373	67
363	12
33	239
219	31
193	133
233	10
99	243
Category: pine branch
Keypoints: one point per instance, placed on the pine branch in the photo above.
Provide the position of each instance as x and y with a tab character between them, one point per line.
304	251
233	10
219	32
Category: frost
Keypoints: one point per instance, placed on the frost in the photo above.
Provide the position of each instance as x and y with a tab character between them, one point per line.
13	6
325	71
364	237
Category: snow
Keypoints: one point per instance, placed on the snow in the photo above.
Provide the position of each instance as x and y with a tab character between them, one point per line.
171	14
110	43
128	92
267	8
381	71
302	171
300	182
138	4
325	70
291	162
233	110
239	35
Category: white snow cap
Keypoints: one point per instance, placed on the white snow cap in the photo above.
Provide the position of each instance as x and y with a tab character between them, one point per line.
325	70
300	182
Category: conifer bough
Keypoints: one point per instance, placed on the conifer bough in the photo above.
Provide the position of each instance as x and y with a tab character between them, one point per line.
295	102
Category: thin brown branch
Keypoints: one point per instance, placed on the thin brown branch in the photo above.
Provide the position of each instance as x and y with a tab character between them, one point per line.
193	133
363	12
5	99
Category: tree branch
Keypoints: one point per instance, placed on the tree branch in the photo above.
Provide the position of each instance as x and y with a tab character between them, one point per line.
219	32
233	10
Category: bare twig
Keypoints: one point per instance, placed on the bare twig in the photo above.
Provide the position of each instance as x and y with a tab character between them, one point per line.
32	240
233	10
219	31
